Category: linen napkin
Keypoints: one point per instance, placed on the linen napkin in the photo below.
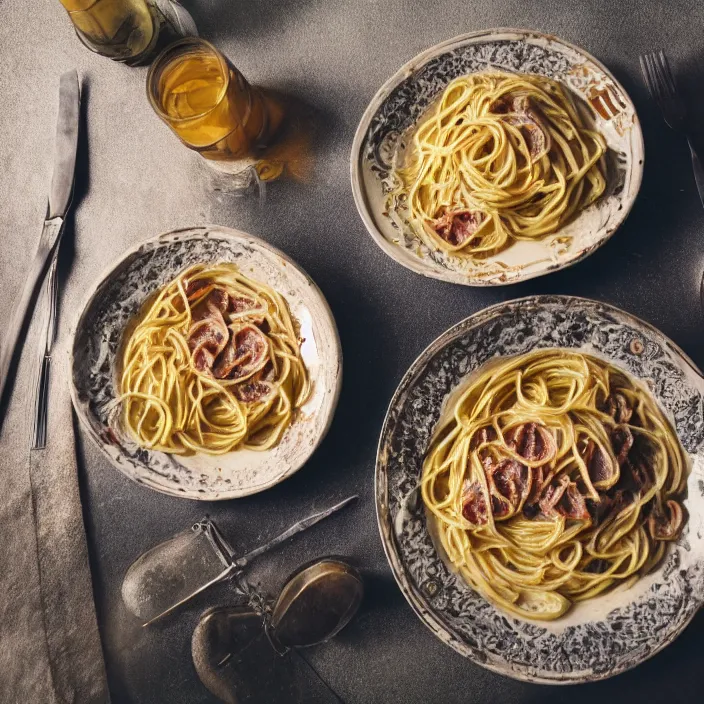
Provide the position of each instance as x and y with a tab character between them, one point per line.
50	650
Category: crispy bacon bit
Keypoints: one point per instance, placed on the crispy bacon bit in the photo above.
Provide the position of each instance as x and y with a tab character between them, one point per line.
474	507
206	339
538	480
617	407
531	441
665	522
482	436
246	353
552	495
572	504
253	391
458	227
603	471
622	442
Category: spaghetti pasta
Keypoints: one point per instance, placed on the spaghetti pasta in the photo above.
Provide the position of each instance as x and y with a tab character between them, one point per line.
553	478
214	364
500	158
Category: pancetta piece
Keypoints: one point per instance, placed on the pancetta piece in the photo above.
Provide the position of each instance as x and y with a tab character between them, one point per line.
552	495
531	441
474	507
539	476
246	352
458	227
509	484
207	338
482	436
603	471
665	522
563	498
621	442
636	474
572	504
253	391
618	408
520	112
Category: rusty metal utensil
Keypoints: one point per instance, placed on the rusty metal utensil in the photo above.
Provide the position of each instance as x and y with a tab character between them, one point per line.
316	604
235	649
175	571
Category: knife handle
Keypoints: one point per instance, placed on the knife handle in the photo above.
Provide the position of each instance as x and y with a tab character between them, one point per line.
41	405
47	243
46	307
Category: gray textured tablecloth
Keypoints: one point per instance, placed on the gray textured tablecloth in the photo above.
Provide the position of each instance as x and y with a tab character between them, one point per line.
50	650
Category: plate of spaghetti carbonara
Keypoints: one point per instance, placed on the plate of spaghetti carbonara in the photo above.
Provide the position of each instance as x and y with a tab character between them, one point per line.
206	364
540	483
496	157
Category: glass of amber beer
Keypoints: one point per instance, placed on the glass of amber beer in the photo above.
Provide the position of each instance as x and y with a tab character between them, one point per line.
124	30
208	103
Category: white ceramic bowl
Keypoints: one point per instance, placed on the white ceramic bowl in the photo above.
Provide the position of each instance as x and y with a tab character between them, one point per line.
402	101
115	299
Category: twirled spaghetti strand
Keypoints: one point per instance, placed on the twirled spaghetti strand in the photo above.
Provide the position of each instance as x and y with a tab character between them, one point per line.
214	364
500	158
554	478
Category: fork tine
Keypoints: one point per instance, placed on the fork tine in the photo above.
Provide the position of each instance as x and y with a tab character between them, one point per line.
654	79
662	80
645	70
669	78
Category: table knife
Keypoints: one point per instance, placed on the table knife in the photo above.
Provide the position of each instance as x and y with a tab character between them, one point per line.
48	305
60	195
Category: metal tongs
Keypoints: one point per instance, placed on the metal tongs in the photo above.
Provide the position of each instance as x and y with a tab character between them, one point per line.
174	572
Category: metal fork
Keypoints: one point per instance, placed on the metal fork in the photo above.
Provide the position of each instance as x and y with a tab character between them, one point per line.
48	304
661	85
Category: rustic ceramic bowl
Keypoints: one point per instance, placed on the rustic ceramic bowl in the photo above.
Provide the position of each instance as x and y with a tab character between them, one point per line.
118	296
597	638
404	98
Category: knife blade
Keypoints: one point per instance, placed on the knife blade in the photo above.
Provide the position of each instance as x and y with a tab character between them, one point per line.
60	195
66	146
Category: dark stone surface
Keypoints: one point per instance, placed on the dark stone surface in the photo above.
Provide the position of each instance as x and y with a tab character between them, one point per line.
333	56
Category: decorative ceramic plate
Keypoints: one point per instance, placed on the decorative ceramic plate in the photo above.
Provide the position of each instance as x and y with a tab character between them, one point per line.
118	296
403	100
604	635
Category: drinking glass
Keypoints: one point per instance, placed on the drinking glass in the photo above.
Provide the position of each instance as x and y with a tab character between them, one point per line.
209	104
125	30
